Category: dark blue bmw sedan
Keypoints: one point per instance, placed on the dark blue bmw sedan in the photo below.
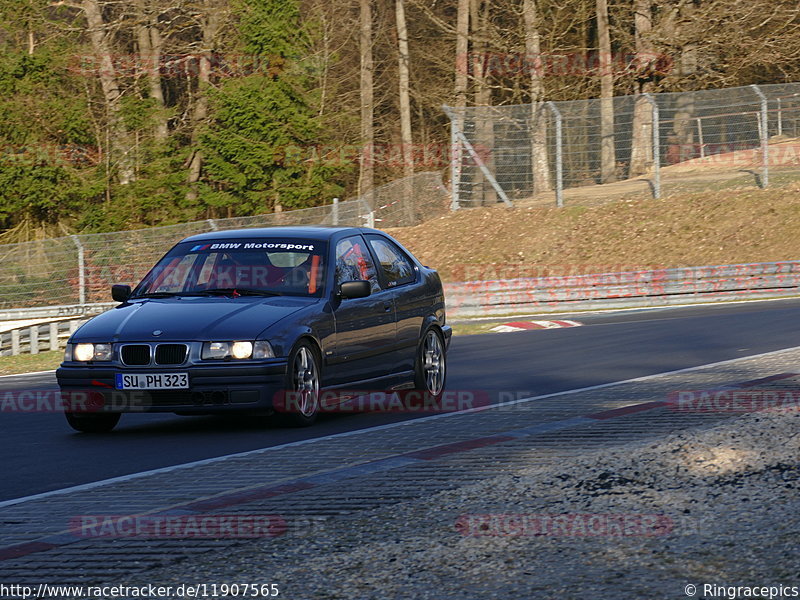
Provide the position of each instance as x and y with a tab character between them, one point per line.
233	320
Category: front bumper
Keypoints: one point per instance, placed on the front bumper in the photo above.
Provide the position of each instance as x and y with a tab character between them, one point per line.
212	388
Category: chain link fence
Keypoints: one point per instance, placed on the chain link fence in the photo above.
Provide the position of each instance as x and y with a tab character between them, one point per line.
78	269
562	151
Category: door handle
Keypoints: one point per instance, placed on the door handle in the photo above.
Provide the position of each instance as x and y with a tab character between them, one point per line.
387	306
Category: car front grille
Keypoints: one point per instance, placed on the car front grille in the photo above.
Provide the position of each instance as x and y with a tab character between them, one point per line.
135	354
170	354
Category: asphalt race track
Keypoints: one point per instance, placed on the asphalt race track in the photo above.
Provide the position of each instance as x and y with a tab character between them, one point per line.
41	453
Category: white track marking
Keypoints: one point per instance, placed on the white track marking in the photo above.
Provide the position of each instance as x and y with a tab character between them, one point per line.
207	461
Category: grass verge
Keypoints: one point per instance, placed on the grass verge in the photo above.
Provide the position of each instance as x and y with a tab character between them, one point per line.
25	363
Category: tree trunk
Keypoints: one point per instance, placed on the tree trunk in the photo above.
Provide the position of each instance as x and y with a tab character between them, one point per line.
642	126
366	180
605	64
149	40
406	140
479	16
120	144
211	26
462	56
540	166
405	99
484	127
460	88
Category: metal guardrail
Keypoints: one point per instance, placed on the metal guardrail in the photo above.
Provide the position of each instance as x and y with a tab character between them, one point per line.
659	287
57	312
619	290
32	339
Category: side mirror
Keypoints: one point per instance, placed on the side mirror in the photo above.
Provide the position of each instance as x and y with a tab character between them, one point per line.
355	289
120	292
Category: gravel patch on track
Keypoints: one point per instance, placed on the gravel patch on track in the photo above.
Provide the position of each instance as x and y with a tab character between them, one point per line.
720	506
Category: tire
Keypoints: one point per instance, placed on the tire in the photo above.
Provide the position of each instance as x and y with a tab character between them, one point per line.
430	366
303	376
92	423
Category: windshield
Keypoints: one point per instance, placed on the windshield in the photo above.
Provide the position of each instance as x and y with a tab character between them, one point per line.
238	267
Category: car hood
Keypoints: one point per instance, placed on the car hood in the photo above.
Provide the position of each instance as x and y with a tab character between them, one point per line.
189	319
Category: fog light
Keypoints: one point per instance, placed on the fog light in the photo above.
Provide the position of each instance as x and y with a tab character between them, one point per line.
102	352
215	350
242	349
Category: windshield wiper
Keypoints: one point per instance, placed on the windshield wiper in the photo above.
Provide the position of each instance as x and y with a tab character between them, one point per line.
236	292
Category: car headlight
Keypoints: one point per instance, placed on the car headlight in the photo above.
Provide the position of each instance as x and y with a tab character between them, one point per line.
240	350
88	352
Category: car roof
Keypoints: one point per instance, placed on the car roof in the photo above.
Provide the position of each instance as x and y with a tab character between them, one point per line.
307	232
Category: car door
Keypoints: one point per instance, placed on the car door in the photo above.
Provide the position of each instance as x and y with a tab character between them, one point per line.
365	327
399	275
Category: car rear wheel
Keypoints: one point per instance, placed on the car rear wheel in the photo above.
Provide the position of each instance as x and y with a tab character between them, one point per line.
92	423
430	371
303	377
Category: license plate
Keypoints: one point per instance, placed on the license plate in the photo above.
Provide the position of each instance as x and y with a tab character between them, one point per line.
152	381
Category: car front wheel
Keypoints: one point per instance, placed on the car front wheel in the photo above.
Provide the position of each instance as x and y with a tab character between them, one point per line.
303	377
430	370
92	423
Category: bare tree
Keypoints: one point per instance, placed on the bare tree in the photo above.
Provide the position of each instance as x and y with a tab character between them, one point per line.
484	128
149	40
404	96
366	178
211	20
462	56
681	138
119	137
642	126
605	65
539	162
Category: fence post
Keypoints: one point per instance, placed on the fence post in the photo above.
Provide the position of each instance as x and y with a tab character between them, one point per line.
33	337
700	137
14	342
53	336
335	212
656	147
212	224
455	160
764	134
81	270
481	165
559	155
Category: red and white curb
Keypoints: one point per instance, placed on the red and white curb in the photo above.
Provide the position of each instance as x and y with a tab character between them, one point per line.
526	325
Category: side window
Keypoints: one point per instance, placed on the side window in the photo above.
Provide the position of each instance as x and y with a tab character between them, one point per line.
180	274
353	263
396	267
